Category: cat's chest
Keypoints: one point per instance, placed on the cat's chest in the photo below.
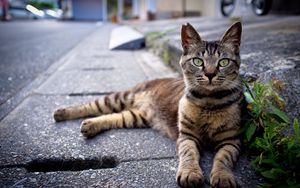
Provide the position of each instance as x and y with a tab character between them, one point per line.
204	117
209	123
213	118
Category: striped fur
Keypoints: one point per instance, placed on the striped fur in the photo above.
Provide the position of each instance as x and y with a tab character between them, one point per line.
145	105
202	109
210	109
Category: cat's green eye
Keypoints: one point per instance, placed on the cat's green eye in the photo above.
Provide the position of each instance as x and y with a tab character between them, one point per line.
223	62
198	62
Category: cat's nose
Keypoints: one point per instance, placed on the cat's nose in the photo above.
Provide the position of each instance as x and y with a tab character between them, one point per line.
210	75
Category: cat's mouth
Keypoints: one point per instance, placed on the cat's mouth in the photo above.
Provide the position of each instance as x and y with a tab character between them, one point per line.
212	83
209	86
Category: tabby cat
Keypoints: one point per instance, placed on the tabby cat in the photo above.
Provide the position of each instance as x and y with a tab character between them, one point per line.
202	109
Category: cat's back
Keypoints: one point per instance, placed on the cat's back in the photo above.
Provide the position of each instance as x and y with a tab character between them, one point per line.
160	85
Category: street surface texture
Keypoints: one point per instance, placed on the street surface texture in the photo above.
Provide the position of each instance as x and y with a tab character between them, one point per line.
37	152
28	48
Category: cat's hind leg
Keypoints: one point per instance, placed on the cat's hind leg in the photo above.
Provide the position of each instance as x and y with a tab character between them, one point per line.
79	111
132	118
115	102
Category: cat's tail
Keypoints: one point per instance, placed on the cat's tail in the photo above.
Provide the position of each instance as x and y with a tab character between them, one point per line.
112	103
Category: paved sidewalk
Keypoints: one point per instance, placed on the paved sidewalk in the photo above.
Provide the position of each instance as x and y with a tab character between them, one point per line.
31	142
30	138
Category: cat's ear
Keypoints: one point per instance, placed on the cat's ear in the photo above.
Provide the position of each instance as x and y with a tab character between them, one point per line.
232	37
189	37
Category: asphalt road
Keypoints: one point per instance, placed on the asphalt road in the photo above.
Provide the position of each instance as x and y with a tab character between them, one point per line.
27	48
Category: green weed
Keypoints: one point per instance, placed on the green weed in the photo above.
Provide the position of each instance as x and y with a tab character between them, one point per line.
41	5
267	133
152	35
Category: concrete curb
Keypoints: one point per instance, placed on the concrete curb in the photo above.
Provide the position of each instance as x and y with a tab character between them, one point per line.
124	37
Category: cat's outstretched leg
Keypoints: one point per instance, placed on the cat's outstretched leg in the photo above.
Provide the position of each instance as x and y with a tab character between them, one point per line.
189	173
115	102
79	111
225	158
132	118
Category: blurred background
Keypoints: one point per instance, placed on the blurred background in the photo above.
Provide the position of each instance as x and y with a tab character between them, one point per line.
117	10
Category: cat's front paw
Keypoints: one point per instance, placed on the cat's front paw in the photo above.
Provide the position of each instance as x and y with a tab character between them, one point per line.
189	177
223	179
88	128
60	115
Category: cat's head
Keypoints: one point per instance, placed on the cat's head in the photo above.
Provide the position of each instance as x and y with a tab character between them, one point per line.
211	65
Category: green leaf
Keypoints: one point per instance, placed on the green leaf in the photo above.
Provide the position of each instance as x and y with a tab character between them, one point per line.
248	97
296	127
278	172
290	144
250	131
270	162
291	181
268	174
279	114
274	173
261	143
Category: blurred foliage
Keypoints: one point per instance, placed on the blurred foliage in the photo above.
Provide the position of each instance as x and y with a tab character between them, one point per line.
155	35
41	5
166	55
112	6
165	50
268	134
158	34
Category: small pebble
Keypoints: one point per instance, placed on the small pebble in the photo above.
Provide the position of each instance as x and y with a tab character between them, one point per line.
93	175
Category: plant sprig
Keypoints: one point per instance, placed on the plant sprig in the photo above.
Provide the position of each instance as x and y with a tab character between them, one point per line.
266	133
